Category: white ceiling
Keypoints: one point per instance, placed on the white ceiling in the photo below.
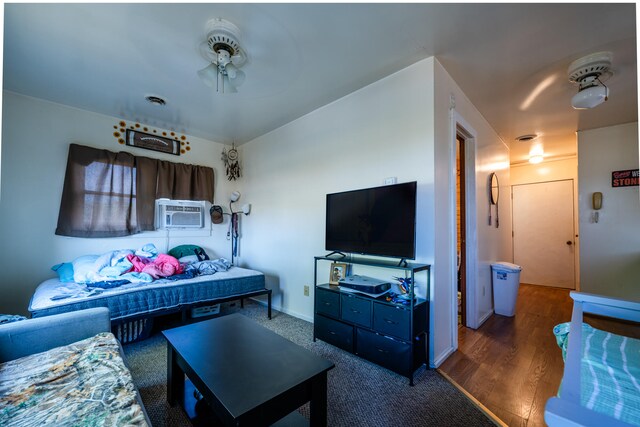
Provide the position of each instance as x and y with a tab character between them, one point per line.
107	57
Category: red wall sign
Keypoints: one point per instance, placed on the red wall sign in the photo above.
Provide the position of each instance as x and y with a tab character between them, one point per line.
628	178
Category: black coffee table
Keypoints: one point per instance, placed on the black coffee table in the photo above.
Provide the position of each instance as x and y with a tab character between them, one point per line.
247	374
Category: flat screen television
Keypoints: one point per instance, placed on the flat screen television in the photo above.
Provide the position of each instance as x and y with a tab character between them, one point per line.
373	221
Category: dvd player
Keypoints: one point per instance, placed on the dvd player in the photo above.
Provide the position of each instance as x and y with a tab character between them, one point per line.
366	284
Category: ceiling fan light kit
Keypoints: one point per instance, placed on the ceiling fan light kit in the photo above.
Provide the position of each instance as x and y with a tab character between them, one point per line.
223	50
590	97
588	73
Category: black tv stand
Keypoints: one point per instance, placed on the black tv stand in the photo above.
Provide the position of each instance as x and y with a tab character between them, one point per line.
402	262
343	255
394	335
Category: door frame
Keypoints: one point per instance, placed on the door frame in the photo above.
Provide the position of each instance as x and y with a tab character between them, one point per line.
461	238
460	127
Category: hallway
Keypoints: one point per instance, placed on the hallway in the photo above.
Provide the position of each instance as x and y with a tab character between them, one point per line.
512	365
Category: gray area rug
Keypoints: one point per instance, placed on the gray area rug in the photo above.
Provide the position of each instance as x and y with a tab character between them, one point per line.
360	393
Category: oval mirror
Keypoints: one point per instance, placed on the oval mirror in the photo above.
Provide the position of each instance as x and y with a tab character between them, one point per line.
495	189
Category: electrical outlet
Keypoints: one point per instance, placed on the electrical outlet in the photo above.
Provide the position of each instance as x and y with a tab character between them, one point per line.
306	290
391	180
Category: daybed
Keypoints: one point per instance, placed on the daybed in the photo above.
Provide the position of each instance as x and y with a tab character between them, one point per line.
66	369
134	305
601	381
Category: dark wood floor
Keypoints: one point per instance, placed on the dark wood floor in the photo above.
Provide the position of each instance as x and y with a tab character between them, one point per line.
512	365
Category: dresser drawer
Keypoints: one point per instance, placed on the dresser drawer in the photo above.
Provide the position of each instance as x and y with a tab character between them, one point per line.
334	332
385	351
356	310
327	302
391	320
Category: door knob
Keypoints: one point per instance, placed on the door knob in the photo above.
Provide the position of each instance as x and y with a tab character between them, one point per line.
569	242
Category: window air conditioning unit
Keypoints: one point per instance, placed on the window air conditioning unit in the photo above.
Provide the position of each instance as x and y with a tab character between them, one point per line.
179	214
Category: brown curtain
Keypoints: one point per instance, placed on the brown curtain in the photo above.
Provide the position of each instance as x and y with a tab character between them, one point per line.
178	181
110	194
146	183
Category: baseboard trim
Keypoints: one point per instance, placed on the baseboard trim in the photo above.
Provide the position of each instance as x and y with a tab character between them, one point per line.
289	312
473	400
443	356
484	318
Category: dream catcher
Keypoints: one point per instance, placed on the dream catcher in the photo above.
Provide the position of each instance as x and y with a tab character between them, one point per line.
230	160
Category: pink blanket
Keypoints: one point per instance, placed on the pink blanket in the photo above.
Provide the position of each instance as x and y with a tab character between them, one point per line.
162	266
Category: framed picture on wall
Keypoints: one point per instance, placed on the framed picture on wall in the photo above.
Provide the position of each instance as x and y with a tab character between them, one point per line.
338	272
139	139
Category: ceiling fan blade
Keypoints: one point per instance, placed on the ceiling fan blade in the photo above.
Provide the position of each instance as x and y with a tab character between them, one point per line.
238	80
209	75
228	86
238	60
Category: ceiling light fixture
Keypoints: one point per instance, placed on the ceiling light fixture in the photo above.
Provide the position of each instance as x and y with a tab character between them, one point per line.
223	50
588	73
536	153
536	159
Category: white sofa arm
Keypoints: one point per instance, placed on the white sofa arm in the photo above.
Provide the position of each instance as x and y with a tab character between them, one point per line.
19	339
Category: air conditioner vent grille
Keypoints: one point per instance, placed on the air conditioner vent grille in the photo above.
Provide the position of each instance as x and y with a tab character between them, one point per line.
179	214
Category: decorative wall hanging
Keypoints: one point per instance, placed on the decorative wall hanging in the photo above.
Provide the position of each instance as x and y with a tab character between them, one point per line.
625	178
135	138
150	138
231	163
494	195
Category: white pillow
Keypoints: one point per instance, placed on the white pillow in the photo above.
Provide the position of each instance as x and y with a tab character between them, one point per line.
189	259
84	268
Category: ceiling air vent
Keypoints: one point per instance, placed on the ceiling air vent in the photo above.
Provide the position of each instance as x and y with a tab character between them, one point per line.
527	138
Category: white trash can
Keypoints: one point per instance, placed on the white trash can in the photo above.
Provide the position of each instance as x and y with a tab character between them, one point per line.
506	281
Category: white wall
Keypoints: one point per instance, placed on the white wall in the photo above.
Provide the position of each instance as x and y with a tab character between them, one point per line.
491	155
610	249
383	130
553	170
35	140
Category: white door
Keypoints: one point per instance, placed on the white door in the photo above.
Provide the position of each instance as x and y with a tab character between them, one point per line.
543	233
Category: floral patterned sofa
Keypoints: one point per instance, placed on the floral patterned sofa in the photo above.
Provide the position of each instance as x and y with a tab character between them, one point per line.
66	370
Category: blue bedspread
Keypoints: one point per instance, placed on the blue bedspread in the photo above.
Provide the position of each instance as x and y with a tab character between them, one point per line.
135	299
610	373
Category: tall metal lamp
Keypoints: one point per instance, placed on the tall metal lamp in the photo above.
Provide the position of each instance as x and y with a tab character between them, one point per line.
233	233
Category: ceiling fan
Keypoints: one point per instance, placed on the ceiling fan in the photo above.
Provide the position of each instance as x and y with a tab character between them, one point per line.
223	50
588	73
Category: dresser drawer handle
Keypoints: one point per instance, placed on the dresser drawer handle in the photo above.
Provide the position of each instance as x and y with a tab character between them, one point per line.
326	303
382	350
332	333
391	322
355	311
